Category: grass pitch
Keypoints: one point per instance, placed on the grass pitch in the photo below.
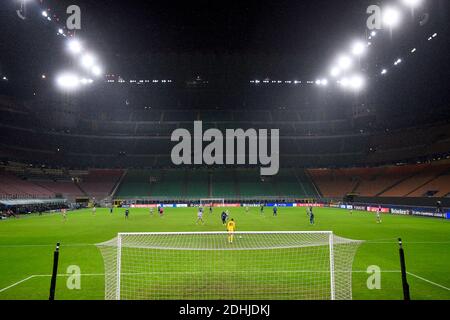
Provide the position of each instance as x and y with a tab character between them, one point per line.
27	244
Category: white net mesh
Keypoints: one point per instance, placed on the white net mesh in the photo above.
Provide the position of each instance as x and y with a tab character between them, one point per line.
205	266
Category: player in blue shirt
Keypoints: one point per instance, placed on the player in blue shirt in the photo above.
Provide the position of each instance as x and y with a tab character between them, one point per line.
275	211
224	217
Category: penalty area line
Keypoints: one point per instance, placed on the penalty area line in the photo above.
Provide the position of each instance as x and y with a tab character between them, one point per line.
428	281
17	283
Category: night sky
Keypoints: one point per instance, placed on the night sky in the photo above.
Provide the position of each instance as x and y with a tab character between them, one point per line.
295	38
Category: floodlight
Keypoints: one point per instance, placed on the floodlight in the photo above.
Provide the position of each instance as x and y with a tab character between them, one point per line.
324	82
391	17
97	71
344	62
87	60
60	31
68	81
356	82
45	14
398	62
85	81
373	33
384	71
75	46
335	72
358	48
412	3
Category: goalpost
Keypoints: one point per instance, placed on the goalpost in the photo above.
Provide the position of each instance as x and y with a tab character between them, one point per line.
215	202
205	266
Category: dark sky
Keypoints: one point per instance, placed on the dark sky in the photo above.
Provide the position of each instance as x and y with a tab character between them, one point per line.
311	31
117	28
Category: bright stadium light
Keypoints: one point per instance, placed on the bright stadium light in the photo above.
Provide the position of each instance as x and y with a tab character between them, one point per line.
85	81
44	14
358	48
87	60
345	62
97	71
75	46
384	71
373	34
391	17
60	31
335	72
68	81
412	3
324	82
356	82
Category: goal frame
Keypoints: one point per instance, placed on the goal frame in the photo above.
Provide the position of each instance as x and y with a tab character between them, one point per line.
330	243
209	200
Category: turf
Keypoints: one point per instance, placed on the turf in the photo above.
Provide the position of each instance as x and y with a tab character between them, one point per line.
27	244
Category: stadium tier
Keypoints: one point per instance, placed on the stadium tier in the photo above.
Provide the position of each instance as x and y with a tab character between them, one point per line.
221	183
100	183
420	180
20	181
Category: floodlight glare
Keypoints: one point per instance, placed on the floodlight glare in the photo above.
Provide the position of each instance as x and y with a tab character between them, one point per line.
97	71
345	62
358	48
412	3
85	81
68	81
384	71
356	82
75	46
391	17
344	82
373	33
87	61
60	31
45	14
335	72
324	82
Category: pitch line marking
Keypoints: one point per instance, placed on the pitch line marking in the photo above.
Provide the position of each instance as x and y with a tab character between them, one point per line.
102	274
17	283
428	281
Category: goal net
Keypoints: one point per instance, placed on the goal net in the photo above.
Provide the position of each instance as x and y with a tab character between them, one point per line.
218	202
206	266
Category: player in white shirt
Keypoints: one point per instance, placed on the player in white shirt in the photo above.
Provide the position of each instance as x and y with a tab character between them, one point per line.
379	215
200	216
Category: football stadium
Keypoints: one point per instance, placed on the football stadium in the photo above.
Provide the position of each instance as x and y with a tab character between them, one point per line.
284	150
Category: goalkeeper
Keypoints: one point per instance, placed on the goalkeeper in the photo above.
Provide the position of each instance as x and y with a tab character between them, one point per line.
231	227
